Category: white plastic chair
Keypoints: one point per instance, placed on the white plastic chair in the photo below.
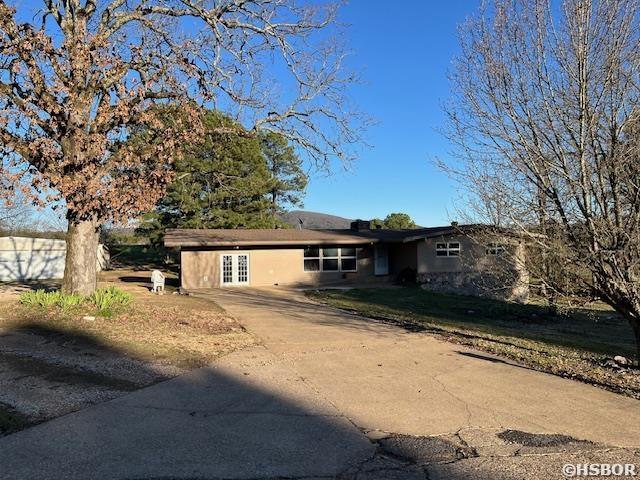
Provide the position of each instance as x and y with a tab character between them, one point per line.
157	281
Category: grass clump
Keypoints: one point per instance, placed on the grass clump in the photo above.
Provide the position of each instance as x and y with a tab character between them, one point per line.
40	298
68	302
106	301
110	300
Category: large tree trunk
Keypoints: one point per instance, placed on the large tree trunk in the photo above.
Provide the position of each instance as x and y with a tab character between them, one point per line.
80	268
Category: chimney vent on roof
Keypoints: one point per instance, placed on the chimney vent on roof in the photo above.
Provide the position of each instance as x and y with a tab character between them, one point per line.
454	224
360	225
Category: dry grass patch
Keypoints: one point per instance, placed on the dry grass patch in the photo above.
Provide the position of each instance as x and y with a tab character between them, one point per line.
180	330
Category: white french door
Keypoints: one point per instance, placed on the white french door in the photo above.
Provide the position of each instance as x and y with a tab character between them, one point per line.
234	269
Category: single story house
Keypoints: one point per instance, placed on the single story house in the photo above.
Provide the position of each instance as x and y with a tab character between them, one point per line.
460	259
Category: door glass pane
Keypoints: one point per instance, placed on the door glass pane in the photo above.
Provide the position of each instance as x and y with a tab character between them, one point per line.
381	256
227	269
243	268
330	264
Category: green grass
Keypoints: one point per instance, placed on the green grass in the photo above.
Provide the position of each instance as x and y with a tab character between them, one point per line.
110	300
599	331
104	302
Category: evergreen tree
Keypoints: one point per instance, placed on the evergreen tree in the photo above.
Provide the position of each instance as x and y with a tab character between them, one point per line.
394	221
288	180
220	182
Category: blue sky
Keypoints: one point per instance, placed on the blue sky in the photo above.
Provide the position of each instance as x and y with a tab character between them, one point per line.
404	55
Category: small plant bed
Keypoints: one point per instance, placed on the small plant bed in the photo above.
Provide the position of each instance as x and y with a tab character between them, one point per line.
105	302
60	353
580	344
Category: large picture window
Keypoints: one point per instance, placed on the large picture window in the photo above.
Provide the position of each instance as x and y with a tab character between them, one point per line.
330	259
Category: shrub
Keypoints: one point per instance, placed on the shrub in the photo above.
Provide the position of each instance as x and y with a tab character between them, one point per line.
110	299
407	276
67	302
40	298
107	300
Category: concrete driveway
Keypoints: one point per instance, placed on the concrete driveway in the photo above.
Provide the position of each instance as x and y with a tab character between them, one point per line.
332	395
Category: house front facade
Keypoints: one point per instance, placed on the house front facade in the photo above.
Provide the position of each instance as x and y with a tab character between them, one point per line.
440	258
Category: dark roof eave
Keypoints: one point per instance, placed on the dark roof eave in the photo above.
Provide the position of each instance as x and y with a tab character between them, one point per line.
270	243
442	233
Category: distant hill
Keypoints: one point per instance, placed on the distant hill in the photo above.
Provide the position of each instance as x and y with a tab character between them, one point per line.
314	220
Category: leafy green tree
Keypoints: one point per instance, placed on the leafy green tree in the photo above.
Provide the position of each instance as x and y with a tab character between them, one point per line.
394	221
220	182
376	223
399	220
288	179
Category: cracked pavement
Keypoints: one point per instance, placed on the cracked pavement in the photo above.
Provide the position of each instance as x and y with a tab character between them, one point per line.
331	395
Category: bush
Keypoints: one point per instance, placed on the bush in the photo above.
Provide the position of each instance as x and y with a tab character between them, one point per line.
407	276
67	302
110	299
107	300
40	298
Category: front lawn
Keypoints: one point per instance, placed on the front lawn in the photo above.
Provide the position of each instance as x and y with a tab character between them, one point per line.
576	345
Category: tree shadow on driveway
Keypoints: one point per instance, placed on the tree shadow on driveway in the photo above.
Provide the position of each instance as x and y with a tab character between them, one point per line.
246	416
227	422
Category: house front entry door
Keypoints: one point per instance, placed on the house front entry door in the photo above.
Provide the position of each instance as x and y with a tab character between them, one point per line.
381	260
234	269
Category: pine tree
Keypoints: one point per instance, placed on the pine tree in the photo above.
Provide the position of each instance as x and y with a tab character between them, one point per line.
220	182
288	179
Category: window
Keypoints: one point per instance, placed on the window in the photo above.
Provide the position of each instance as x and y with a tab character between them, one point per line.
448	249
312	259
348	260
330	259
495	249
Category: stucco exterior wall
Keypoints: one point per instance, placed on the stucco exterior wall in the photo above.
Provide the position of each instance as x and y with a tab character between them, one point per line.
474	272
268	266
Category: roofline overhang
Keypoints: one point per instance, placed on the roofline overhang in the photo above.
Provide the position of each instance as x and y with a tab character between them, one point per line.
270	243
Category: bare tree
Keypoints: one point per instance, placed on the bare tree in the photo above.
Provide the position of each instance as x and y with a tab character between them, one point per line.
546	120
12	215
81	75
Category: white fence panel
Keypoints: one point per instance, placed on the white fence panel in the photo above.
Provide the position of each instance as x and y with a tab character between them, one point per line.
23	258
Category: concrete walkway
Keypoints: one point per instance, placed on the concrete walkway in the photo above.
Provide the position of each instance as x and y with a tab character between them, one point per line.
331	395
